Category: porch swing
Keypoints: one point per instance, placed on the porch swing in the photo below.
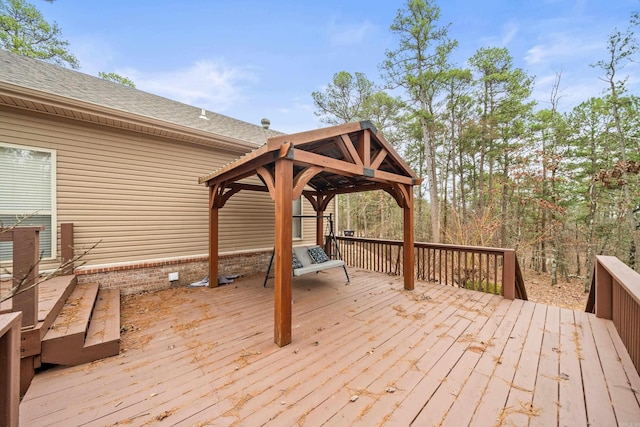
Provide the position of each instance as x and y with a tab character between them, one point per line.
312	258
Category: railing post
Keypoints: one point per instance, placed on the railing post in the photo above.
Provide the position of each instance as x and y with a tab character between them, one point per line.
10	368
26	248
509	274
604	292
66	241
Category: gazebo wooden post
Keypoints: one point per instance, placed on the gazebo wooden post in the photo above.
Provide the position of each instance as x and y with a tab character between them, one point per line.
283	251
213	238
408	246
320	228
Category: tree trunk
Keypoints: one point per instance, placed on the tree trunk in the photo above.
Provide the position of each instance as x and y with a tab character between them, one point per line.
634	261
432	180
504	202
348	211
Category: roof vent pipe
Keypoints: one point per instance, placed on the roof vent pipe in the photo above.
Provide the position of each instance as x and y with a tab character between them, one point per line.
265	123
203	115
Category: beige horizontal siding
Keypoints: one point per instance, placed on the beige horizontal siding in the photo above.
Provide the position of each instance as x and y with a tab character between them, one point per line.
137	194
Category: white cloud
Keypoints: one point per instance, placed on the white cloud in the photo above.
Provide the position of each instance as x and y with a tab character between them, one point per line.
208	84
349	34
211	84
508	33
535	55
563	47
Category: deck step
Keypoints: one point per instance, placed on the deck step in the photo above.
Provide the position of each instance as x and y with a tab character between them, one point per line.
87	329
52	295
73	320
104	329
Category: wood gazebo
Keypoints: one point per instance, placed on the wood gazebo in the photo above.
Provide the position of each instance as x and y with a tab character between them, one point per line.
317	164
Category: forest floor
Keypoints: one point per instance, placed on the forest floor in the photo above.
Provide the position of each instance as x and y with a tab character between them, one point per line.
565	294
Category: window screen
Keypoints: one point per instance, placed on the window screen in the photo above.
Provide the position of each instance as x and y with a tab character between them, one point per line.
26	180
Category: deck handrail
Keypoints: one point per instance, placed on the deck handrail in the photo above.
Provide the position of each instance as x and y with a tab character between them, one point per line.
10	368
25	268
615	295
494	270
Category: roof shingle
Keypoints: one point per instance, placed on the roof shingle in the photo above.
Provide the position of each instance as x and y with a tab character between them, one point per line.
52	79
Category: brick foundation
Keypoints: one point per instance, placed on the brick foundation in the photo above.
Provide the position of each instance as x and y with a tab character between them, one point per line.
151	276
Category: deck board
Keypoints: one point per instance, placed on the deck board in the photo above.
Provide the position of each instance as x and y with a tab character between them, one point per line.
472	392
105	319
52	295
546	393
520	400
341	411
572	411
595	388
493	405
435	392
435	356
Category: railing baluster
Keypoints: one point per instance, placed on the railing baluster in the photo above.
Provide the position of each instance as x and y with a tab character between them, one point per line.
472	268
439	265
454	260
459	276
495	272
488	275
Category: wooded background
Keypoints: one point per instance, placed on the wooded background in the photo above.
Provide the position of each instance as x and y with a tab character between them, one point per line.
499	170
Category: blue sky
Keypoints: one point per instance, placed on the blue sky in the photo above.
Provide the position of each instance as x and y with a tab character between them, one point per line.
255	59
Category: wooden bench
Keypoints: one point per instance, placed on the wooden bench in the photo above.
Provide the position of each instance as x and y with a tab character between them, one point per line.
301	253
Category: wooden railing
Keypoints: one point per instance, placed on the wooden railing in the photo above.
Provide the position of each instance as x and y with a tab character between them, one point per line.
23	289
615	295
26	266
492	270
24	271
9	368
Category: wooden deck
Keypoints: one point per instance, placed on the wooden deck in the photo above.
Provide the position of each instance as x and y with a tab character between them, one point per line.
365	354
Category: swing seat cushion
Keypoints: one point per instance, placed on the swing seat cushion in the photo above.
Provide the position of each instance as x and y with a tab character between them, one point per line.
308	265
317	255
295	263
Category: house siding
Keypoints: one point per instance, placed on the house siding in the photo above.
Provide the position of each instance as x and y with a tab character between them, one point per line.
137	194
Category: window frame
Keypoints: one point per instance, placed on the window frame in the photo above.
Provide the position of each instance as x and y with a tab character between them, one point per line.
53	159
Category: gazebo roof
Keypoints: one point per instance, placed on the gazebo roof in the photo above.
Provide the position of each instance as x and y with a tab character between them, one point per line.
341	159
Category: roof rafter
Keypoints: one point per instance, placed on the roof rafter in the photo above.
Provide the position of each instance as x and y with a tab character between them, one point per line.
338	160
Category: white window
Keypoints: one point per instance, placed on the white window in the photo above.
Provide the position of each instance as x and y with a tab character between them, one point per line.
27	191
297	222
